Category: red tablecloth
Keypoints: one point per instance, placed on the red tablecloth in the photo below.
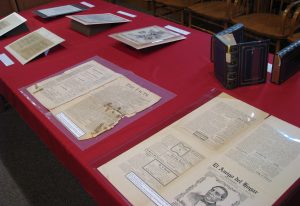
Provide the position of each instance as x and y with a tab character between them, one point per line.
183	68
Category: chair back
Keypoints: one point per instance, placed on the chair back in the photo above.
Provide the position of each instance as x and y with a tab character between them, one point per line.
27	4
7	7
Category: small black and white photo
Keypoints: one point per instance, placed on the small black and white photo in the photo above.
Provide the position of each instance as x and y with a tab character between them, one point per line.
209	191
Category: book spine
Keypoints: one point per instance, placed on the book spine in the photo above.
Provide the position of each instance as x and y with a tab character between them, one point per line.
275	75
232	68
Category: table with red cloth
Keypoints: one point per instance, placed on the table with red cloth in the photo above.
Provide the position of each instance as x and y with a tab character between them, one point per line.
183	68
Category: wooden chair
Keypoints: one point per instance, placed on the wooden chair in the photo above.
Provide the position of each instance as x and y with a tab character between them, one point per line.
7	7
170	9
268	20
214	12
27	4
295	31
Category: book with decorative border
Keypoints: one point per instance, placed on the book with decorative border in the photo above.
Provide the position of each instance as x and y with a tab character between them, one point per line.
238	62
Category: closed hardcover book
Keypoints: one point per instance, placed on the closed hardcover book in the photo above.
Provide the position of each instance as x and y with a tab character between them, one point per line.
286	63
236	62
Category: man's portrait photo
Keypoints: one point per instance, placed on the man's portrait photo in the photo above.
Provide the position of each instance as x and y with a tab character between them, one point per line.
209	191
215	194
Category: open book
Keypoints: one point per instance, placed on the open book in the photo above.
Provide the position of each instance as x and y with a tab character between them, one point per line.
90	99
225	152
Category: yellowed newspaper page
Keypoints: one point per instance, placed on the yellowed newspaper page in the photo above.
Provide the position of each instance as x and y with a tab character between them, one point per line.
256	170
10	22
155	171
101	109
33	44
71	84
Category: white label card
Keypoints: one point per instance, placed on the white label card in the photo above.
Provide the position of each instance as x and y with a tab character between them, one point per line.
180	31
126	14
270	67
6	60
76	131
147	190
87	4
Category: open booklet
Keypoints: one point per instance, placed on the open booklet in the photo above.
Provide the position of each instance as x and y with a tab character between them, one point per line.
90	99
225	152
147	37
33	44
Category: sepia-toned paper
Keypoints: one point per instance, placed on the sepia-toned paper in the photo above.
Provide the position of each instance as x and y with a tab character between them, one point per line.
10	22
147	37
202	153
71	84
92	19
101	109
33	44
90	99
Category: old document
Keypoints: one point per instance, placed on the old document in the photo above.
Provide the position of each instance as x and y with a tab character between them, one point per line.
92	19
90	99
147	37
101	109
33	44
71	84
151	172
10	22
256	170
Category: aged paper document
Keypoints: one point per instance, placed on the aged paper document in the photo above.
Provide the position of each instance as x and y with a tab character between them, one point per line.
223	153
10	22
102	108
33	44
92	19
73	83
90	99
147	37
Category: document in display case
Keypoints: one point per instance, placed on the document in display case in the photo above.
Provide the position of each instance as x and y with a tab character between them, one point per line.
12	24
286	63
91	24
33	44
94	99
60	10
225	152
238	62
147	37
